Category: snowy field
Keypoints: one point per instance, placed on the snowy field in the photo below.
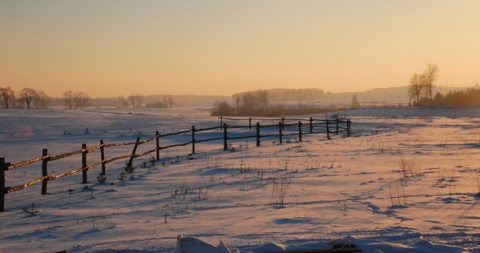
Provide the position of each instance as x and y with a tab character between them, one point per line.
405	181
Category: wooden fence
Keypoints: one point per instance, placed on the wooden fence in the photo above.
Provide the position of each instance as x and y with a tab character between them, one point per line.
221	132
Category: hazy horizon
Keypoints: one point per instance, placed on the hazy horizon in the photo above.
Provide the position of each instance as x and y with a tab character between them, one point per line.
111	48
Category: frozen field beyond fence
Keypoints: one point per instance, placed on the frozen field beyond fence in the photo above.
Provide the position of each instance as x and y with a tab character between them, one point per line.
406	181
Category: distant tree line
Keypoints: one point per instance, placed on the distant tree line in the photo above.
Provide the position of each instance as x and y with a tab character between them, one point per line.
259	103
136	101
76	100
27	97
458	99
246	103
420	91
31	98
166	102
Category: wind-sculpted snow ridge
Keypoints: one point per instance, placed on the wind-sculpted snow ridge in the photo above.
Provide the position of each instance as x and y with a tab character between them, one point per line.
403	182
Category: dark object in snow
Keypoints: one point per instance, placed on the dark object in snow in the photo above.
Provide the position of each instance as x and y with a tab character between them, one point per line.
194	245
342	245
334	250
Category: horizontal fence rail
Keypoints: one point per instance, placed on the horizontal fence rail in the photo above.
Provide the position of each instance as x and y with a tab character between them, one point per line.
224	131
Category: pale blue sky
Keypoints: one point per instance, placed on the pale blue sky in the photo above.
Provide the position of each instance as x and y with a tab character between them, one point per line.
111	48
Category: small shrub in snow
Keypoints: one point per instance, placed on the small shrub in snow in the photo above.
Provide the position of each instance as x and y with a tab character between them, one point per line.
109	221
122	177
203	192
129	168
91	191
409	167
242	185
153	161
31	209
331	165
452	190
101	178
441	175
279	191
397	194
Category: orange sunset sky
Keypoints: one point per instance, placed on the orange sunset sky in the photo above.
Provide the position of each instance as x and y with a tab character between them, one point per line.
114	47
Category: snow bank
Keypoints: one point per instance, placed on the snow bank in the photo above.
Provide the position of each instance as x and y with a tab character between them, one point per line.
194	245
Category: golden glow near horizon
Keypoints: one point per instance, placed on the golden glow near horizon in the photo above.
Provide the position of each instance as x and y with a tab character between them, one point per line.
114	47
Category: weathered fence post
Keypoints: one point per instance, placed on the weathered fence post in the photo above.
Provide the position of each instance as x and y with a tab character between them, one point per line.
221	122
130	162
225	144
311	125
283	123
84	164
299	131
328	130
44	170
3	168
258	134
250	122
348	128
193	139
280	132
102	156
157	142
336	126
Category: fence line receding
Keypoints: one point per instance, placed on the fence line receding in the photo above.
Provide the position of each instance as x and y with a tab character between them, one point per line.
223	132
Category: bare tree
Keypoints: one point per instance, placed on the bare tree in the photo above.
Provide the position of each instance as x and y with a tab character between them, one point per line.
132	100
262	98
80	100
8	96
43	100
139	100
68	98
355	103
420	88
136	100
237	98
28	96
123	101
168	101
249	103
429	77
415	89
171	102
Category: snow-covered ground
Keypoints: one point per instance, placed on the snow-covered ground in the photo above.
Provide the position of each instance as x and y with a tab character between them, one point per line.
406	181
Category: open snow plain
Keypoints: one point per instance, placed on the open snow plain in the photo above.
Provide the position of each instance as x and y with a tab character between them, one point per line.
406	181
